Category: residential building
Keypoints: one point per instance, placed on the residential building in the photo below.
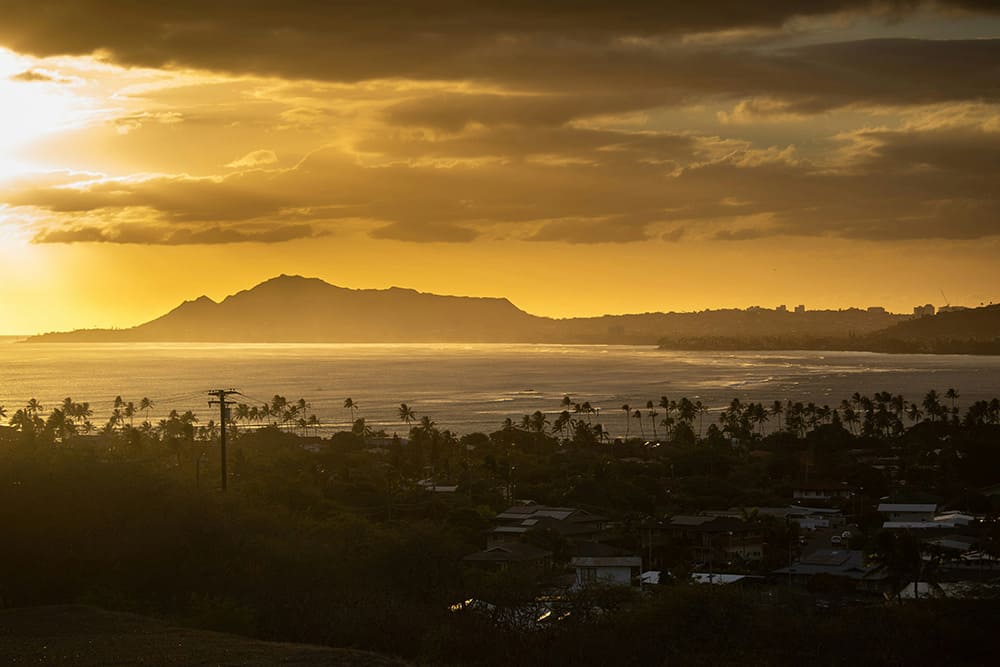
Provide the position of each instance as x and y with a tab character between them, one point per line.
821	490
568	522
717	539
907	512
596	563
503	556
848	565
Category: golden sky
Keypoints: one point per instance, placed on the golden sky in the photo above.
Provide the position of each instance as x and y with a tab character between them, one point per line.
578	157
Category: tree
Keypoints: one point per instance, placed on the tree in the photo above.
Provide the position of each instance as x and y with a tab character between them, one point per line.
406	414
932	405
279	408
638	415
146	404
627	409
538	422
652	416
350	405
33	407
898	553
702	409
952	395
777	409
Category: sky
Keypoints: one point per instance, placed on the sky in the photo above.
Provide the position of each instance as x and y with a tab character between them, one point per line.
578	158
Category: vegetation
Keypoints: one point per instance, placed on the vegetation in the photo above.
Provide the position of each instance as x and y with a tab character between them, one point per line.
337	541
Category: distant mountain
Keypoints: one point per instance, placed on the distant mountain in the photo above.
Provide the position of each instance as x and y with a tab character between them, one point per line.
293	309
297	309
971	331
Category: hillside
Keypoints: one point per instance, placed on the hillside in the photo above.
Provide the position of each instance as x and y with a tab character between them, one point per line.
81	636
974	324
293	309
972	331
303	310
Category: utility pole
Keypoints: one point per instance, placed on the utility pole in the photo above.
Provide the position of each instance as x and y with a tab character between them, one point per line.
223	404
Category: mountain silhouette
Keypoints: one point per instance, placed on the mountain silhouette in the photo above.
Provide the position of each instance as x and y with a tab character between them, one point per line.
972	324
302	310
294	309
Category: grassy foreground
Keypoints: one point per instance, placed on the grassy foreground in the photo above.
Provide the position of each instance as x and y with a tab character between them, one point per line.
86	636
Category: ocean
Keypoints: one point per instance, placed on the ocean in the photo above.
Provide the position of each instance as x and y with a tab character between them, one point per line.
463	387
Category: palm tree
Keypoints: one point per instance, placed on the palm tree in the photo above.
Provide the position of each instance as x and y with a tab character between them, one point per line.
145	404
427	424
932	404
702	409
406	414
952	394
758	414
563	423
33	407
652	416
667	405
777	409
350	405
914	413
638	415
628	417
538	421
279	408
3	412
686	411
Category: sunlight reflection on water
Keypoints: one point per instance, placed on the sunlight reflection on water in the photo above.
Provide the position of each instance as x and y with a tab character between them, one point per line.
466	387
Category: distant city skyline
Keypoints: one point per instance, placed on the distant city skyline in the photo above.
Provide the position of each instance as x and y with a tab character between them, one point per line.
576	158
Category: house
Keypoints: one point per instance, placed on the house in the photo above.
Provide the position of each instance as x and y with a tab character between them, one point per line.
723	579
844	564
504	556
908	513
718	538
429	485
568	522
596	563
824	491
806	518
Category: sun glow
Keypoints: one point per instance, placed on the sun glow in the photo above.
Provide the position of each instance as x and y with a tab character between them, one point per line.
36	102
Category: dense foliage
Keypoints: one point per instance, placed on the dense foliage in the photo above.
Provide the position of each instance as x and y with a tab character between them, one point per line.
336	541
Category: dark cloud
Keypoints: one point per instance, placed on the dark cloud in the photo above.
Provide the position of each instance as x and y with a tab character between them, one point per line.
32	76
454	111
432	233
971	150
620	229
322	39
561	43
160	235
568	143
740	234
586	186
674	235
569	80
